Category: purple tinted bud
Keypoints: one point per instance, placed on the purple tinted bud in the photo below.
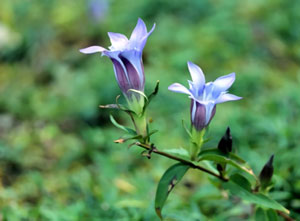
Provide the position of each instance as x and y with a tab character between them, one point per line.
205	96
126	55
198	115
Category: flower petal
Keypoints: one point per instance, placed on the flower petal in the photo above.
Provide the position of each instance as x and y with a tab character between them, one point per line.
118	41
132	61
135	58
198	114
227	97
139	31
121	75
197	75
179	88
92	49
140	45
224	82
210	112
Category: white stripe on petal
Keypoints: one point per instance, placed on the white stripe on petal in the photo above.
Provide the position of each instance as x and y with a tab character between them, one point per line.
227	97
176	87
92	49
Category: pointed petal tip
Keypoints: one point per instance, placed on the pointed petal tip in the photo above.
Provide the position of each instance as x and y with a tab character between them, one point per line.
152	29
190	63
179	88
92	49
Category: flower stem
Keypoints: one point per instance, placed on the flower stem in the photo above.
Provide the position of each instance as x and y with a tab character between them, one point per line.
191	164
197	140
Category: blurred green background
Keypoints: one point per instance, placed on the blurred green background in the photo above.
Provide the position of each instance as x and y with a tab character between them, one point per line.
57	156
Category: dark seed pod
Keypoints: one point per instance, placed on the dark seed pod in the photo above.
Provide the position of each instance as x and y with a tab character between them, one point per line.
266	173
225	144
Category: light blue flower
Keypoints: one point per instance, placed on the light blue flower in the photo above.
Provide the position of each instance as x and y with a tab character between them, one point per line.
205	96
126	55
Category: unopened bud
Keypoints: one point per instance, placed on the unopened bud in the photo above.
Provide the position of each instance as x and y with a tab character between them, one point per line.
266	173
225	144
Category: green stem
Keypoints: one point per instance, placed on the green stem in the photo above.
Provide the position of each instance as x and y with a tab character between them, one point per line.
197	140
191	164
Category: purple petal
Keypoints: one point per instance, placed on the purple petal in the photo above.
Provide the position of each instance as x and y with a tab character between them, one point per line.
224	82
92	49
139	31
141	45
135	58
197	115
227	97
178	88
197	75
120	74
210	112
202	114
136	82
118	41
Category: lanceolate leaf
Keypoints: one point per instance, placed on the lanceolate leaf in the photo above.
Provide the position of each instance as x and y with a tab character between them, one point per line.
186	129
151	96
241	189
154	92
170	178
272	215
260	214
128	130
219	157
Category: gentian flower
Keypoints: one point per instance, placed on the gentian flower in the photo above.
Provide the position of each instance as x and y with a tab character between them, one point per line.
126	55
205	96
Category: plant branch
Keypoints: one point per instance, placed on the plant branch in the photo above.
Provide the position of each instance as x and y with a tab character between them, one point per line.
191	164
285	216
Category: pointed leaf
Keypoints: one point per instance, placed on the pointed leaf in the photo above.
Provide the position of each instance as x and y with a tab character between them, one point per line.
239	189
272	215
154	92
260	214
186	129
219	157
151	96
128	130
139	92
170	178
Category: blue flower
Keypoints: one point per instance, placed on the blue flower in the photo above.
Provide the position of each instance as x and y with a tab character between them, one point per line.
205	96
126	55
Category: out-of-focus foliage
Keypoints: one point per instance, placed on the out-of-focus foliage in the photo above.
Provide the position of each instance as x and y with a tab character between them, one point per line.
57	158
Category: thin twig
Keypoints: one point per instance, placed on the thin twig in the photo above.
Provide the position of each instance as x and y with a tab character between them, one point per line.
154	150
285	216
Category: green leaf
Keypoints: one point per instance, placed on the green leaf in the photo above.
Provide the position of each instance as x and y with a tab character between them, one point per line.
139	92
272	215
186	129
238	187
151	96
260	214
128	130
219	157
242	181
170	178
154	92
